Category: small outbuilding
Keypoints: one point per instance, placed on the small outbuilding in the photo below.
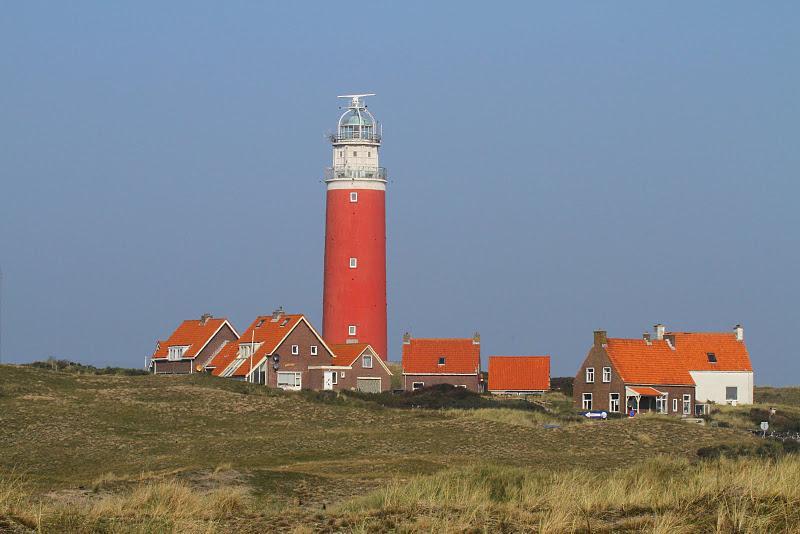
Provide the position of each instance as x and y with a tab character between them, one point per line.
432	361
519	375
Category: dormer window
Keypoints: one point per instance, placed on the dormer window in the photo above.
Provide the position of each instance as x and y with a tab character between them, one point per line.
712	358
441	360
284	322
246	350
176	353
260	323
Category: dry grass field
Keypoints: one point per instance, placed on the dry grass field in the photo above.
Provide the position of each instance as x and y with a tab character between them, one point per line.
87	453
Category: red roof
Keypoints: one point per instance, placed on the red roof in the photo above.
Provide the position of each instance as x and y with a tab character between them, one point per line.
519	373
640	363
345	354
193	334
224	357
731	355
422	356
269	332
669	361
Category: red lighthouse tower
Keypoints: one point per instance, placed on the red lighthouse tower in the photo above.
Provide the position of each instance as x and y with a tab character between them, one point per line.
354	294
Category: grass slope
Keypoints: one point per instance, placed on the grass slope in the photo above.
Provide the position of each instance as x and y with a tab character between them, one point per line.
86	452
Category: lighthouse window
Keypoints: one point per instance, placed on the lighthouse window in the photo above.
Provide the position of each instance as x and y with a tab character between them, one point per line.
353	263
351	330
353	196
369	154
355	154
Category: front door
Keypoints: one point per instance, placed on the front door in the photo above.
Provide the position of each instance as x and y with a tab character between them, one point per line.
327	380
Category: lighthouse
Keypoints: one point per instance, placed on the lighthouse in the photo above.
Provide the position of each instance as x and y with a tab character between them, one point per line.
354	292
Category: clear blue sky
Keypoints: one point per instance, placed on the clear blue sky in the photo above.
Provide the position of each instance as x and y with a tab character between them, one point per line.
555	169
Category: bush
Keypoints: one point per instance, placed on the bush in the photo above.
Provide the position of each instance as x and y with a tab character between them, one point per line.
442	396
769	448
782	421
53	364
562	384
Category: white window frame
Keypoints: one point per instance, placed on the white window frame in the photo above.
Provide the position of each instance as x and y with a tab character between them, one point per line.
353	196
176	352
295	384
314	350
334	378
606	375
675	404
353	263
351	330
586	401
461	386
417	385
295	350
735	392
364	361
611	401
687	404
590	375
662	404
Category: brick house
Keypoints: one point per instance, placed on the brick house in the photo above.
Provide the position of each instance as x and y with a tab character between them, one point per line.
284	350
519	375
193	344
427	362
355	366
677	373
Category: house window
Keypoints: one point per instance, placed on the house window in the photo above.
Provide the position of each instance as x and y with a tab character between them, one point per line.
260	375
712	358
661	404
284	322
606	374
417	385
687	404
590	375
334	378
441	360
675	405
731	393
313	350
295	350
246	350
353	196
464	386
587	401
353	263
351	330
176	353
366	362
289	380
613	402
260	323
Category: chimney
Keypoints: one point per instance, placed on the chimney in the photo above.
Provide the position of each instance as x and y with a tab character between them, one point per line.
739	331
476	339
646	337
406	339
600	338
277	314
659	330
204	318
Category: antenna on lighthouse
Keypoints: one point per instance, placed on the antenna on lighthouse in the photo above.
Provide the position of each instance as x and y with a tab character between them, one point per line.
355	100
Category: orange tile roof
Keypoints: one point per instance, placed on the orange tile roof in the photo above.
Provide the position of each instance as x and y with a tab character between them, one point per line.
694	347
224	357
462	356
346	353
519	373
640	363
269	334
191	333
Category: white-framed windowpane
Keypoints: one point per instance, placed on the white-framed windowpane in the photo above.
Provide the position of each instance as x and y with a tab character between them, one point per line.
731	393
353	263
288	380
334	378
613	402
366	362
661	404
351	330
606	374
674	405
314	350
587	401
353	196
176	353
295	350
687	404
417	385
590	375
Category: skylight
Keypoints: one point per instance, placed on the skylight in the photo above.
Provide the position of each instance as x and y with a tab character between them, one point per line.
711	357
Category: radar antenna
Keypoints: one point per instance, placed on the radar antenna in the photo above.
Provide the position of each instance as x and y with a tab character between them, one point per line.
355	100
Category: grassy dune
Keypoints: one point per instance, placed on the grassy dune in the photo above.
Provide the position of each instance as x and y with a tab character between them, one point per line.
89	453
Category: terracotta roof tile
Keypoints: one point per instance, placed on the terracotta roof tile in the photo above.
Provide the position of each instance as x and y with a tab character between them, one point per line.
519	373
461	356
192	333
640	363
269	333
345	354
224	357
731	355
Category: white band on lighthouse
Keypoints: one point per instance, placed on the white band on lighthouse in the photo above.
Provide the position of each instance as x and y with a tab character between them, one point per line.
373	185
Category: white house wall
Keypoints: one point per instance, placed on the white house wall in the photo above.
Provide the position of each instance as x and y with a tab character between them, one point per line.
711	385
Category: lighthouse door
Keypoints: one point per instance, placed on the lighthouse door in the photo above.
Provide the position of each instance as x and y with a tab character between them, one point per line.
327	380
